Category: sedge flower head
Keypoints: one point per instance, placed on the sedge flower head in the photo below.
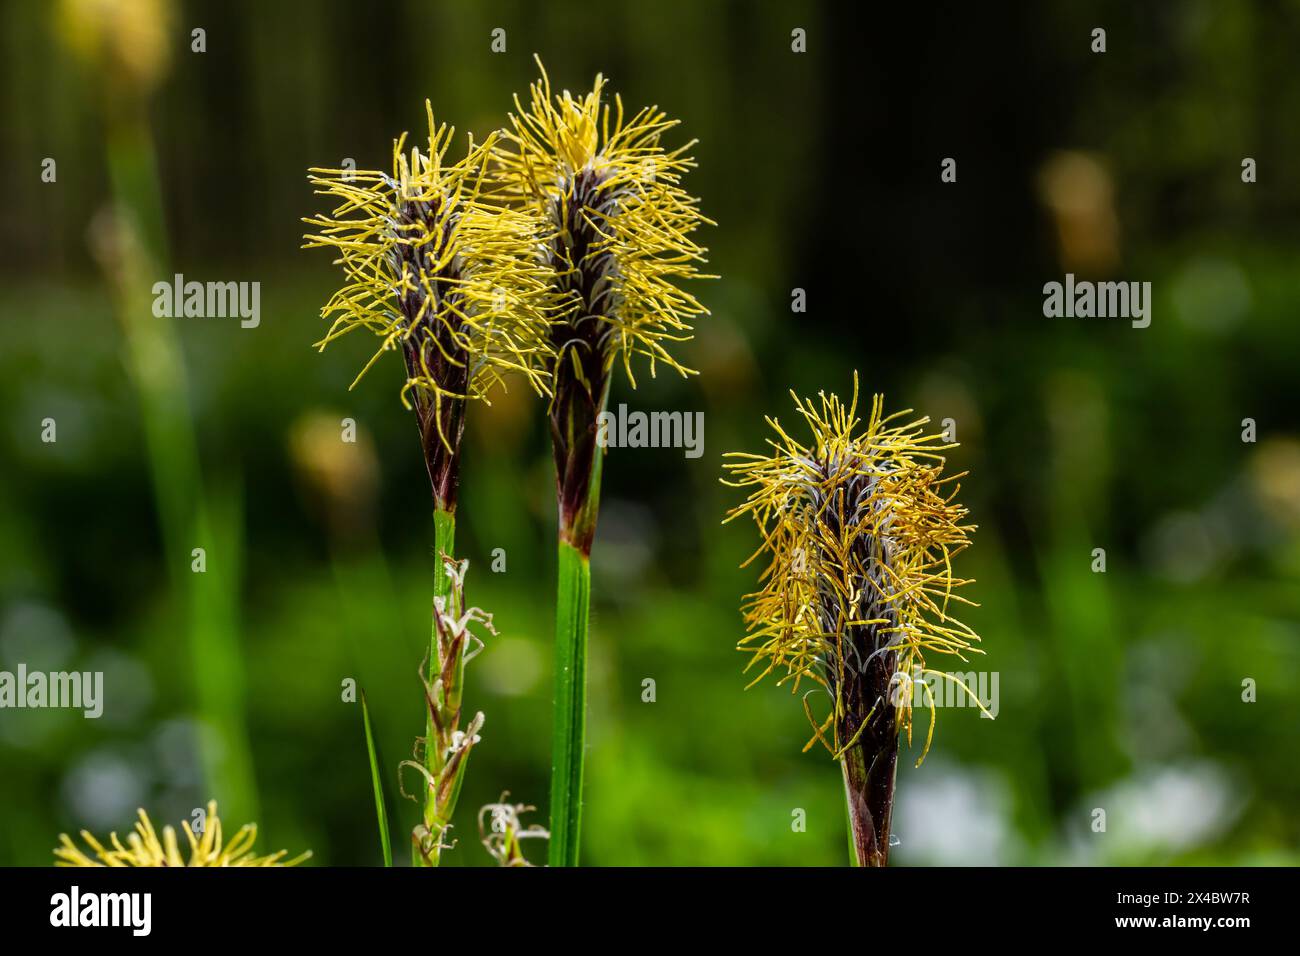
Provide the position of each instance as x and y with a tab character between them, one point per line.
859	529
434	268
145	848
618	224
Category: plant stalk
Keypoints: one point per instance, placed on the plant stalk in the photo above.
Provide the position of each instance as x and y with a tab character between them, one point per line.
579	460
869	775
570	721
444	541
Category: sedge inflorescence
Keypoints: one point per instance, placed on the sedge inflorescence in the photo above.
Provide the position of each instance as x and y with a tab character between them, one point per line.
144	847
859	528
442	755
435	268
617	229
618	224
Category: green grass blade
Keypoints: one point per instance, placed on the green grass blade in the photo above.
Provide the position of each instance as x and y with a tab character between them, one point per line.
217	656
569	729
381	811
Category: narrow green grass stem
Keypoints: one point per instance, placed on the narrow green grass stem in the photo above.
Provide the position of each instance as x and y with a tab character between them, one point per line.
444	543
579	461
570	721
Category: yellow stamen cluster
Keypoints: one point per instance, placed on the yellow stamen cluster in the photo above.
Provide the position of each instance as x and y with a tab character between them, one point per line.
433	267
144	848
860	531
619	221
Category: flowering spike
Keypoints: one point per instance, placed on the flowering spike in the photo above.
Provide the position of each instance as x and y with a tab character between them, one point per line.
617	231
618	223
434	268
441	757
859	530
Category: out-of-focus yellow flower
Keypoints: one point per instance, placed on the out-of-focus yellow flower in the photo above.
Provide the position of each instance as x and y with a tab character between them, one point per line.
144	848
1275	478
341	476
1079	193
128	40
860	531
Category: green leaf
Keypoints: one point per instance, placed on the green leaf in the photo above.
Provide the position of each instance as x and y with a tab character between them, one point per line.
381	811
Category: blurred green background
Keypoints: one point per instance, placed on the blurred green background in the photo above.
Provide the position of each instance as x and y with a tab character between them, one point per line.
1120	691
